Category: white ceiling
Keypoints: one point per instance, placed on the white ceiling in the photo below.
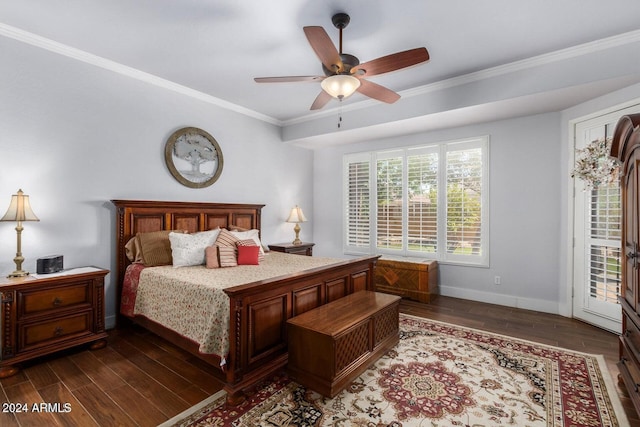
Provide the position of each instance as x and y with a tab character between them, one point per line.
217	47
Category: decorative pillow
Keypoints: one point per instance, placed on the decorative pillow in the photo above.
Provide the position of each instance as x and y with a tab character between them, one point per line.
250	242
189	249
228	256
250	234
211	257
226	238
133	250
220	256
248	255
234	227
155	247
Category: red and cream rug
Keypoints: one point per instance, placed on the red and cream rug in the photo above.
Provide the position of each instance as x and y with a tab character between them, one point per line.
439	375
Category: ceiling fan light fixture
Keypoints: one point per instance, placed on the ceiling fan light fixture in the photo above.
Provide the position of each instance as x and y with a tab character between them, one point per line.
340	86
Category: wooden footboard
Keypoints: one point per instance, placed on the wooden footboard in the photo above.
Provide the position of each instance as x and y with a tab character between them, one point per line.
258	311
259	315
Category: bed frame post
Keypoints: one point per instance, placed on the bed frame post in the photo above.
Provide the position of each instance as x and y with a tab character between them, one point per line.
121	262
234	396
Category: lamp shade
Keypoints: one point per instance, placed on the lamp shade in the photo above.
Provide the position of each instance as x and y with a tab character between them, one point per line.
19	209
296	215
340	85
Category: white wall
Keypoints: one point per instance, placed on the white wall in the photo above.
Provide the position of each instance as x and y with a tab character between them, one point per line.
524	210
74	136
531	205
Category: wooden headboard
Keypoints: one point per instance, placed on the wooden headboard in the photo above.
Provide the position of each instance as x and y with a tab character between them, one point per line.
140	216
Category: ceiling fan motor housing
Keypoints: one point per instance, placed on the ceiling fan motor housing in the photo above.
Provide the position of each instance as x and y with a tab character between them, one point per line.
348	62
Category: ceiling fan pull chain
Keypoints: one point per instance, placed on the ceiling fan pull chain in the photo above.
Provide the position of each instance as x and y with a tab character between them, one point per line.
340	114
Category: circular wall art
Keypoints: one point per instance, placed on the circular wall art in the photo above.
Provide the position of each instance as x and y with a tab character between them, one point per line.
193	157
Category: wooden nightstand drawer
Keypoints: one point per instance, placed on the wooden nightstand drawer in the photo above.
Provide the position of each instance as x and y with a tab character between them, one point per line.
41	333
37	301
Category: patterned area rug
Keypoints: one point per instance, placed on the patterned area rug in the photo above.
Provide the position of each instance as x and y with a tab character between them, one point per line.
439	375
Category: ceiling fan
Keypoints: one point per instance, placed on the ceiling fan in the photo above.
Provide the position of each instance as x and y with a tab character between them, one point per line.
343	73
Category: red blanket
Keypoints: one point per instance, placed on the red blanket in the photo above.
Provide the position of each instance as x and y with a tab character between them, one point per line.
130	288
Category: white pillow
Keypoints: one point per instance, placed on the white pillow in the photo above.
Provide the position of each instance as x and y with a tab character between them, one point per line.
250	234
189	249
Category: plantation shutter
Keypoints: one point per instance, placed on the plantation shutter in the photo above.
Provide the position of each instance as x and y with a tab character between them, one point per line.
464	172
603	242
422	201
389	176
358	199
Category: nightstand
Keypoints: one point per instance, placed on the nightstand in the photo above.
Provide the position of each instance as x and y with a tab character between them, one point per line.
42	314
290	248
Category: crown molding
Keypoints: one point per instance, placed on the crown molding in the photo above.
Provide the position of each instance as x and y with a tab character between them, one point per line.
524	64
107	64
528	63
536	61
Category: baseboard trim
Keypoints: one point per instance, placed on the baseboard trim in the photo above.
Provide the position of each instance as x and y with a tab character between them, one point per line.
110	322
501	299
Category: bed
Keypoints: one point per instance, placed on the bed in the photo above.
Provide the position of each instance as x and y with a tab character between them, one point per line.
258	311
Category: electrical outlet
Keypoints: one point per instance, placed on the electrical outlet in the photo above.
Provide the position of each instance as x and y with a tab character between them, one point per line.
497	280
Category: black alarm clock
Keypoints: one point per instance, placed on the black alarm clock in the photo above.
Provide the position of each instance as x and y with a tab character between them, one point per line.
49	264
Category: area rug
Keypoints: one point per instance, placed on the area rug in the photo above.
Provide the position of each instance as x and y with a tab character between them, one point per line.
439	375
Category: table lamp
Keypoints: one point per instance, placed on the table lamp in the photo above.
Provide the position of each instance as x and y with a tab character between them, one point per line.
296	216
19	210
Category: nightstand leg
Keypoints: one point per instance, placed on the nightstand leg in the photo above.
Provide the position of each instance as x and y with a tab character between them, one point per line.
96	345
8	371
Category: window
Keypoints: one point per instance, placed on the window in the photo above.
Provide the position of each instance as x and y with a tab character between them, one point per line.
604	241
428	201
358	195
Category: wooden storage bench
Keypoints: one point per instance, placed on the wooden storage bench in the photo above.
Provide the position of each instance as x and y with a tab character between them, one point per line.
416	280
333	344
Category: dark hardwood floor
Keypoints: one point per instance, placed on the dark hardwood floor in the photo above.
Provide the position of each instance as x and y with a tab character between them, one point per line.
141	380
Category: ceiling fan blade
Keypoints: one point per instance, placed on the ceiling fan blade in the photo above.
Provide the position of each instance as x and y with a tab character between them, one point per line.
321	100
375	91
323	47
287	79
393	62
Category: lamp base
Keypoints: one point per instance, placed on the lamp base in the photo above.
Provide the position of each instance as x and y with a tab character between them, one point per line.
19	273
297	240
19	259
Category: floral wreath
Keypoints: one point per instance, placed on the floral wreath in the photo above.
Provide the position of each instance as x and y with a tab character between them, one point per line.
594	165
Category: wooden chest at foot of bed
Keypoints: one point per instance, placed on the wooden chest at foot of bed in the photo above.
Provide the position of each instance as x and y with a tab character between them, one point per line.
414	280
332	345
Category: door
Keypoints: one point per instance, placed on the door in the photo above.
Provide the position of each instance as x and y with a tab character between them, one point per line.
597	271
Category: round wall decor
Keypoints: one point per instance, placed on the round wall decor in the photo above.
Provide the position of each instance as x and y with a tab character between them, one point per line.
193	157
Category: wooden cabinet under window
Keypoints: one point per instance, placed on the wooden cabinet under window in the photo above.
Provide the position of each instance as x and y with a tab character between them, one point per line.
416	280
44	314
626	147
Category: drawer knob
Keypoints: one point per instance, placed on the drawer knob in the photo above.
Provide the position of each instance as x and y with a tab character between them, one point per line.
57	301
57	331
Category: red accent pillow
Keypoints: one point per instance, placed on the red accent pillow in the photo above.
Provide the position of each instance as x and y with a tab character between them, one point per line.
248	255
